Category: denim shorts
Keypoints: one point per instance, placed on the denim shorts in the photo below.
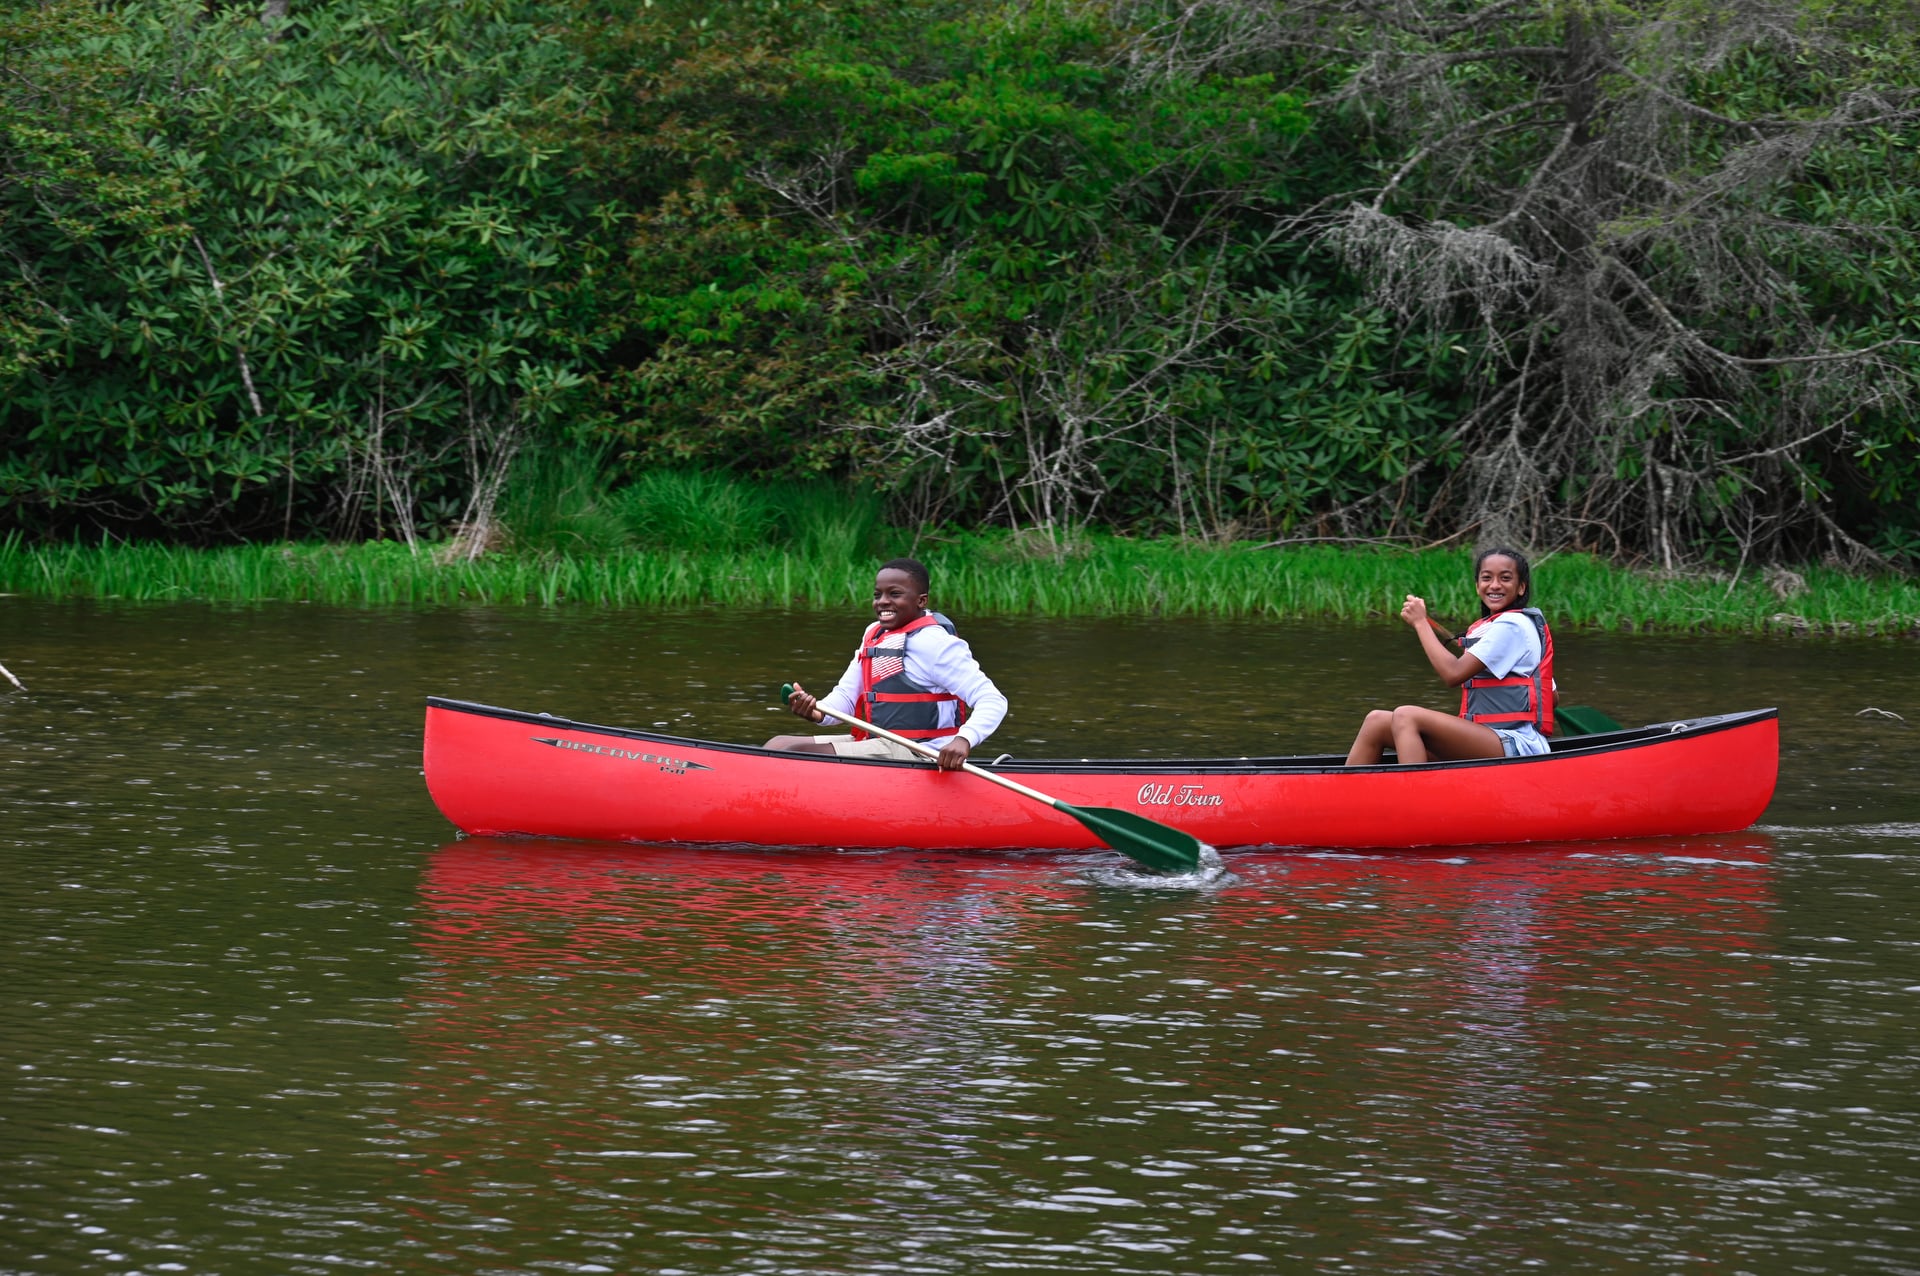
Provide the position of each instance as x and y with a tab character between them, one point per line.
1522	744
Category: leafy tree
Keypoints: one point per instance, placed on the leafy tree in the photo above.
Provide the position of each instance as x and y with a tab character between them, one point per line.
1679	237
383	281
974	256
74	163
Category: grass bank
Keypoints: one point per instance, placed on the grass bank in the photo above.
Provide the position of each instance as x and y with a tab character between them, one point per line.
975	574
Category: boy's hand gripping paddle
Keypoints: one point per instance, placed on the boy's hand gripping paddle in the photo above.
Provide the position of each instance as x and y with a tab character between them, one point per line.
1157	846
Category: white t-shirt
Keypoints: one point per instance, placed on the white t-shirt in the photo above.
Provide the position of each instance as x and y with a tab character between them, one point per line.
944	664
1509	646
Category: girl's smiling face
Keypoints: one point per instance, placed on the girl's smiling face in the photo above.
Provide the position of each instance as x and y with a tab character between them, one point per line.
897	599
1500	584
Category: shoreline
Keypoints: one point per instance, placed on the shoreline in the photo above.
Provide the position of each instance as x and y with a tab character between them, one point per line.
982	574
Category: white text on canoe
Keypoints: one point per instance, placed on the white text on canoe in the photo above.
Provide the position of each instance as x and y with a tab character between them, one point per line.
1175	795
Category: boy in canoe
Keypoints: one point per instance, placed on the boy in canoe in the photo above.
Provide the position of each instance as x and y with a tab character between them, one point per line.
912	675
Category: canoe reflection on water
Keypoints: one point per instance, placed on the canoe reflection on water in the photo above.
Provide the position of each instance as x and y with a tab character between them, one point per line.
524	902
744	1054
581	970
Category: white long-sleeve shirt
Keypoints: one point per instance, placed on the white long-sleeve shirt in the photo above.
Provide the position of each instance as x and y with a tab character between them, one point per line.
942	664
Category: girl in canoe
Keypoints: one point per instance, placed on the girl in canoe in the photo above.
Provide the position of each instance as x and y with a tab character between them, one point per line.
1504	672
911	675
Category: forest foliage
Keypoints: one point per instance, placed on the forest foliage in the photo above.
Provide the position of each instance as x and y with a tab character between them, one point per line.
1630	276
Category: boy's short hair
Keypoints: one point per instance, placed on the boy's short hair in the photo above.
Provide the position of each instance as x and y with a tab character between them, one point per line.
912	567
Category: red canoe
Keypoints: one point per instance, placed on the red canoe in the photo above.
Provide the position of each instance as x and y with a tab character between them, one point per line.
503	772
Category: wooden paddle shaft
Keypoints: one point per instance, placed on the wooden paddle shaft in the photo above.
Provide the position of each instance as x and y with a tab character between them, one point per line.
927	750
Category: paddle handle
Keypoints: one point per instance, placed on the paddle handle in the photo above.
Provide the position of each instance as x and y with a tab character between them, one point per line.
927	751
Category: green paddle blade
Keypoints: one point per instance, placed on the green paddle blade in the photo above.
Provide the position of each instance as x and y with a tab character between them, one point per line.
1162	849
1579	719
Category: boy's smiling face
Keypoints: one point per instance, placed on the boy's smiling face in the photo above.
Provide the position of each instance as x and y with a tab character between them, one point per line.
897	599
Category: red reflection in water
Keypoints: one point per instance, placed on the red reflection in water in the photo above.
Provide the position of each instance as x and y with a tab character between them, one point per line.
566	968
811	925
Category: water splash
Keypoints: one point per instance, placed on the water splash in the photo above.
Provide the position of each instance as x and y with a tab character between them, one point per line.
1209	874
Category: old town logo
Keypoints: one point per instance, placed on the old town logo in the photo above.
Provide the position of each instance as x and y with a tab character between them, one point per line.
673	766
1175	795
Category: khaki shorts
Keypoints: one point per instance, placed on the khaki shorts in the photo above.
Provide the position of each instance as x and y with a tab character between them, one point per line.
845	746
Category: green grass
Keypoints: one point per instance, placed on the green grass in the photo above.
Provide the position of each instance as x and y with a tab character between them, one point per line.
976	574
563	502
556	501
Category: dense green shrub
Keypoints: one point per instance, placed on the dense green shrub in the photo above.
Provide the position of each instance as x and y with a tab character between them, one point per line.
971	257
382	277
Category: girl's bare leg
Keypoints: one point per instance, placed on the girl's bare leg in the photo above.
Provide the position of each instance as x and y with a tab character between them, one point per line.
1422	735
1376	733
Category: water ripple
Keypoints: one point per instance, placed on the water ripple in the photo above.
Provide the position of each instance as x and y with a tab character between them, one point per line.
261	1015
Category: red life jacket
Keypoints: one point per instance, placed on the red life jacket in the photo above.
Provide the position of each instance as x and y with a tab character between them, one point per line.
890	699
1498	702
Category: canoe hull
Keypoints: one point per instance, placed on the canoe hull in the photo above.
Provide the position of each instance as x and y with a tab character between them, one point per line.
501	772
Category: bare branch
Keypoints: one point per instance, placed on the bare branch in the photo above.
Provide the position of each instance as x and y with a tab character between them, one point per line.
239	348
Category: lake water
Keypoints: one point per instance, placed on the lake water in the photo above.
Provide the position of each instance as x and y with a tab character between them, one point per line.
263	1012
